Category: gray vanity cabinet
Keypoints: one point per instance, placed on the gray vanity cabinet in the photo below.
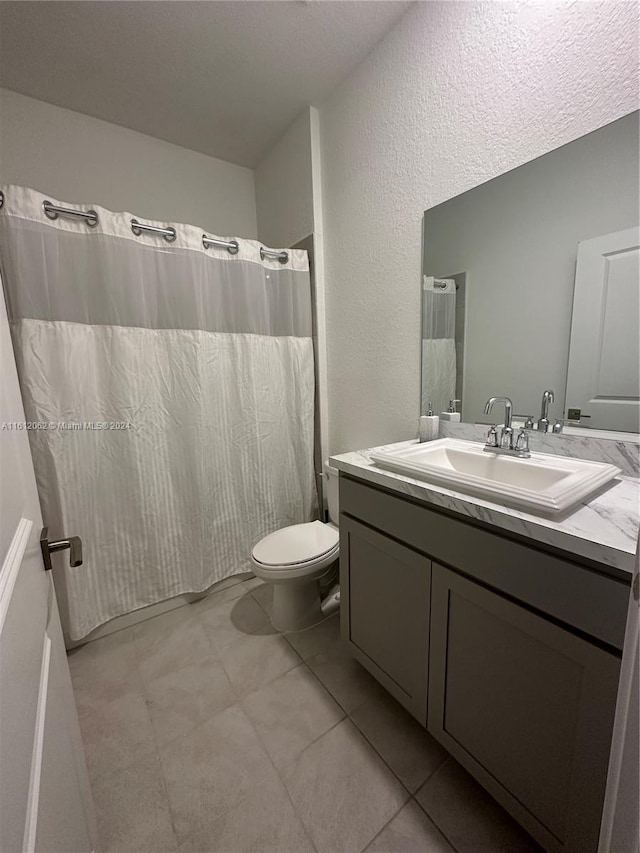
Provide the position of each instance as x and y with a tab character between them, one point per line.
525	705
509	654
385	611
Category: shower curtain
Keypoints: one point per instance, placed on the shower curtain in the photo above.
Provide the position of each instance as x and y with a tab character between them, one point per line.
438	343
170	393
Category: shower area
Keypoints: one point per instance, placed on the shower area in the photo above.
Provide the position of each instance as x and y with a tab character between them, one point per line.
168	383
442	339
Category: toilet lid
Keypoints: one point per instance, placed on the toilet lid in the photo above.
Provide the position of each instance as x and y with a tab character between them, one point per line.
298	543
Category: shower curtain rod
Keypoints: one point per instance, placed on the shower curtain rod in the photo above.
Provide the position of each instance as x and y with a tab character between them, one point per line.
53	211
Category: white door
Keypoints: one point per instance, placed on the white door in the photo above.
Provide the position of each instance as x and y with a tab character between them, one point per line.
45	800
603	380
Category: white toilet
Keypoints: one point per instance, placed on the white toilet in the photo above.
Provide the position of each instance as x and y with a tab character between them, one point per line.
295	559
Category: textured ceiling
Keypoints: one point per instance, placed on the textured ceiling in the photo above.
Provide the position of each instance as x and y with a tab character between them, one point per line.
223	78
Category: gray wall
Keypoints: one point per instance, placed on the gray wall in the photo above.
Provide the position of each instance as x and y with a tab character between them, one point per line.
79	159
284	191
516	237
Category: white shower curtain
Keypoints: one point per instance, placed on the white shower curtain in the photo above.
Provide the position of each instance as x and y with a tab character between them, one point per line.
171	393
438	344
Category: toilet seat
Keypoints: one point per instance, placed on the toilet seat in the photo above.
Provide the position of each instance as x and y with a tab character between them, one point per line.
303	545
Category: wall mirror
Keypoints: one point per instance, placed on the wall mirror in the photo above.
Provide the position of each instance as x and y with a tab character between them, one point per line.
531	282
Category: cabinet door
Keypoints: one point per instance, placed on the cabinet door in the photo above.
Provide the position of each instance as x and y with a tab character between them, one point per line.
526	706
385	611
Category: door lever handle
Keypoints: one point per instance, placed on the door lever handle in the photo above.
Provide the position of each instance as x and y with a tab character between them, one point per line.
73	543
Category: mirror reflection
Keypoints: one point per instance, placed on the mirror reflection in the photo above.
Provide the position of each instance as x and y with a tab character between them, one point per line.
531	289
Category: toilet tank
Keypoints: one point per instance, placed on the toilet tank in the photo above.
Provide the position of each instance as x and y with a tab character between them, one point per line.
332	477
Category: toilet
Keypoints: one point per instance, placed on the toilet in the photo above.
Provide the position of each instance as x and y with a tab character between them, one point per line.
295	560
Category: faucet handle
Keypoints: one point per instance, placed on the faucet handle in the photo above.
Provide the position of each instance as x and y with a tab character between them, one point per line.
528	420
522	441
492	437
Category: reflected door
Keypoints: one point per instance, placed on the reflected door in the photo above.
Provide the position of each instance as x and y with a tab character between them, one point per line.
603	379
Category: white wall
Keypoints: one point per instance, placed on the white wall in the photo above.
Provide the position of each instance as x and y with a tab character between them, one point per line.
455	94
284	194
289	207
76	158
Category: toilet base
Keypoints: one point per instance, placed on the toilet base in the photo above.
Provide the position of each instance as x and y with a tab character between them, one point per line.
295	606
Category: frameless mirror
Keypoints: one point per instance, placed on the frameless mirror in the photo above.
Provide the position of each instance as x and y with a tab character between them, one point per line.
531	282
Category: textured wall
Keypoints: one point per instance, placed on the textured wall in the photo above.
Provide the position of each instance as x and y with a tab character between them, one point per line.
284	195
455	94
77	158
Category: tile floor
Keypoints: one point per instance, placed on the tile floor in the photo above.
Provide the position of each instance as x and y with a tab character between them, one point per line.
206	730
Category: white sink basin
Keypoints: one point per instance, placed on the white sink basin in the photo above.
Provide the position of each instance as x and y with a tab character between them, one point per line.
543	483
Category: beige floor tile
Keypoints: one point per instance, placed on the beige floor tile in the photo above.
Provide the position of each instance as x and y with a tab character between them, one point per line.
103	670
320	638
231	581
410	831
405	745
263	594
219	779
132	810
343	791
264	822
187	697
253	583
253	662
471	819
224	591
234	619
291	712
348	682
212	769
167	642
116	734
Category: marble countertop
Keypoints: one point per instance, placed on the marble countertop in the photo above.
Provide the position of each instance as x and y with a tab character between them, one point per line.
603	528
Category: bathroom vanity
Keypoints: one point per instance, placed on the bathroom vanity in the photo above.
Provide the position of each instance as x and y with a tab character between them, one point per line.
499	631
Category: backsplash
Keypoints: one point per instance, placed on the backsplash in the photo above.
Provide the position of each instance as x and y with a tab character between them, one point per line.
624	454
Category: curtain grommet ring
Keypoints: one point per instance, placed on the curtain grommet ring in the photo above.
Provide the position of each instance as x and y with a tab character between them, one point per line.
53	211
268	254
169	233
49	212
232	246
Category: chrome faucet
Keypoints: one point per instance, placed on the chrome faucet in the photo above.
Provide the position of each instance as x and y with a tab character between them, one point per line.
506	434
543	420
503	441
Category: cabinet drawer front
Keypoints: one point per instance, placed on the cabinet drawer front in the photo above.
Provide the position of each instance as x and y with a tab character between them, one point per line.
574	594
526	706
385	591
